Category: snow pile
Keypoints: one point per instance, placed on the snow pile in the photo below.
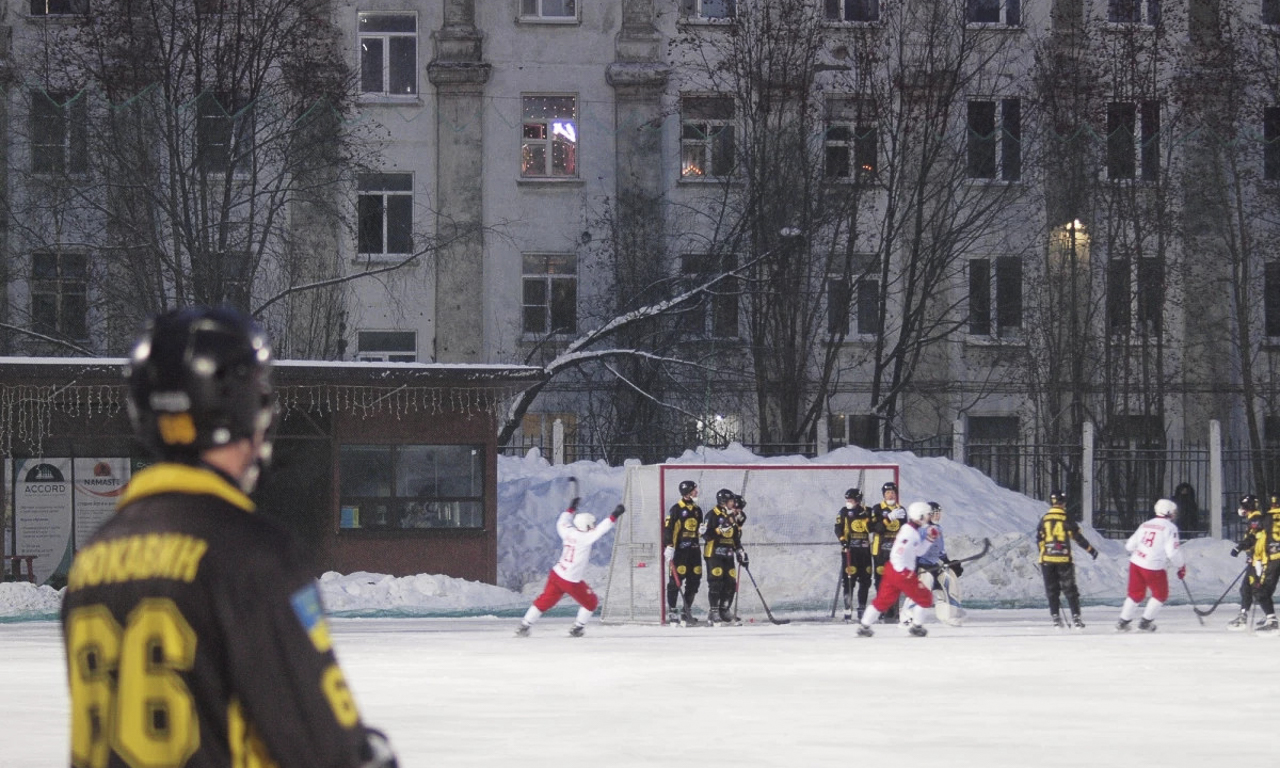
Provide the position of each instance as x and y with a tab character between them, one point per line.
532	493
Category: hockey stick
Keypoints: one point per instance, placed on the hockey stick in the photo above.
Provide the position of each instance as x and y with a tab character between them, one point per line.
573	493
1217	602
840	582
767	612
1193	601
986	547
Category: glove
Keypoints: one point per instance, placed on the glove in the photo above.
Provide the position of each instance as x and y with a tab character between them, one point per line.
1093	553
618	512
669	554
377	752
574	504
1235	552
956	568
742	558
844	546
1182	572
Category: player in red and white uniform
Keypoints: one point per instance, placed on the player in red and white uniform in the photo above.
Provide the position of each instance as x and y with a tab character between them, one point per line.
578	532
1154	546
900	573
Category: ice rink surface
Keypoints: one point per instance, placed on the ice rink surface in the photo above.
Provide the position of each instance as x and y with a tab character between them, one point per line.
1005	689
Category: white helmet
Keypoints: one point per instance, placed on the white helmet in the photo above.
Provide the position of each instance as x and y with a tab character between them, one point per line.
918	511
1166	508
584	521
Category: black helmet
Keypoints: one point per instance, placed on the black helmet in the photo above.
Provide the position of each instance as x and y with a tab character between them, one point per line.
853	493
741	502
723	495
889	486
687	487
1249	503
1058	499
199	378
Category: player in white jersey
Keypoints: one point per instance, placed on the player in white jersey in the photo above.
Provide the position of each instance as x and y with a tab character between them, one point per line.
900	573
578	532
1154	546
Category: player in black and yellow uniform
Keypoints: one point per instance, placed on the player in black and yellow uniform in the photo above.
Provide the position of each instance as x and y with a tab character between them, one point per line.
885	519
1266	564
1252	517
194	636
853	529
683	553
1054	536
723	543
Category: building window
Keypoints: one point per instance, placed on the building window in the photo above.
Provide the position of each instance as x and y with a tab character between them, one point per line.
389	54
995	139
385	212
1006	12
59	7
714	313
844	429
850	140
995	297
1133	140
854	309
852	10
1271	143
406	487
549	9
550	294
224	130
549	146
706	137
59	133
1271	298
709	9
1271	12
387	346
993	448
59	294
1140	311
1134	12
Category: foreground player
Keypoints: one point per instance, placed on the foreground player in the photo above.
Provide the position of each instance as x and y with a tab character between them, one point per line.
723	542
194	634
1252	517
885	519
1154	546
1053	537
578	531
900	574
683	553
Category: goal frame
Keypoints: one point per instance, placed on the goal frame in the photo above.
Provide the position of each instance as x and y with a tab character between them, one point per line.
637	549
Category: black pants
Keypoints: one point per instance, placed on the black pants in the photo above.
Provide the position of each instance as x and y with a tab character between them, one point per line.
1248	585
688	566
1061	577
1265	592
855	568
722	581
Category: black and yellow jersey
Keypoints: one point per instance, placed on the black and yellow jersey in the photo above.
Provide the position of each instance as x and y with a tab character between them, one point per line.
1054	536
723	535
886	519
853	527
1267	548
1252	539
194	637
680	529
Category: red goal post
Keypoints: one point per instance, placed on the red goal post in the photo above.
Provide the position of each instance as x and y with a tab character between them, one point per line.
791	510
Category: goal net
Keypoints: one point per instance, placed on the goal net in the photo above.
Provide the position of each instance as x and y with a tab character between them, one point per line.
789	536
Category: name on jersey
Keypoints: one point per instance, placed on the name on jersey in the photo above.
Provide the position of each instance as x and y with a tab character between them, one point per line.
173	556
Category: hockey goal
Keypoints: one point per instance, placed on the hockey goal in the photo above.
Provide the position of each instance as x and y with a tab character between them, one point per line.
791	512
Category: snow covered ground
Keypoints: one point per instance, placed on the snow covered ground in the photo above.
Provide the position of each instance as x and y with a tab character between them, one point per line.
433	662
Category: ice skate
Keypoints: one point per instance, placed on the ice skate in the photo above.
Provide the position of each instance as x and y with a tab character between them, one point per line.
1077	622
576	630
1147	625
728	619
1123	625
522	630
1269	624
864	630
917	631
1057	621
1239	623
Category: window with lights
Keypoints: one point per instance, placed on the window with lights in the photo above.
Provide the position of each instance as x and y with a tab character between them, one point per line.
706	137
549	137
851	138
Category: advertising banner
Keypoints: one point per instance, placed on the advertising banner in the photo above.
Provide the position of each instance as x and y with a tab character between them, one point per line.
42	499
98	484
